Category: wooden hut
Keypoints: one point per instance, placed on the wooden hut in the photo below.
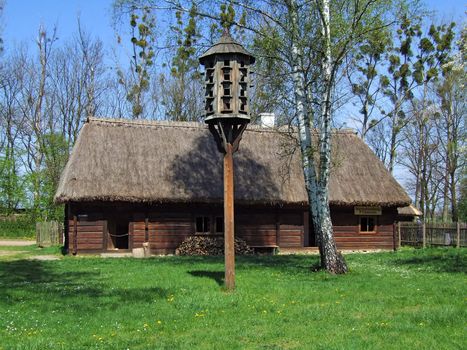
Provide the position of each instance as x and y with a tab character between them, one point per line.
130	182
408	214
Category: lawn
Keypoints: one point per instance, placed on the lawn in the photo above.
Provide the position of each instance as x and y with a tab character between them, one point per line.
412	299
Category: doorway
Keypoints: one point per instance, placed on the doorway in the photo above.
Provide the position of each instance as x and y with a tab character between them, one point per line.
118	233
311	233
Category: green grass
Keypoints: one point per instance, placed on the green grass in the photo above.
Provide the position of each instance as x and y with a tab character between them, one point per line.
411	299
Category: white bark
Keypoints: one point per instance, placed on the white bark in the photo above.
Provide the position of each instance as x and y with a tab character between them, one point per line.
331	260
317	188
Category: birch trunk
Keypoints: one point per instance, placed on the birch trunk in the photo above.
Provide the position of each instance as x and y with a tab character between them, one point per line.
331	259
317	188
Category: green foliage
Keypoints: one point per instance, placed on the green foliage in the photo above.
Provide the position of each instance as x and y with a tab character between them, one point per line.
12	194
227	15
56	152
367	60
142	24
17	226
178	302
185	60
179	98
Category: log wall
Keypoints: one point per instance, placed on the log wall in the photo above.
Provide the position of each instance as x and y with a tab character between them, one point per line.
291	230
347	230
165	227
167	231
89	235
257	229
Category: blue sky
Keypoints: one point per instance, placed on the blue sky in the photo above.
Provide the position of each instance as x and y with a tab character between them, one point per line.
21	18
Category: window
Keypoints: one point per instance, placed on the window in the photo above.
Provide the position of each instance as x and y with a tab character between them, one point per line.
203	224
367	224
219	224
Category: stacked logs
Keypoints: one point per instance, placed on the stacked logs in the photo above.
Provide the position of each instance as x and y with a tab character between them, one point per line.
206	245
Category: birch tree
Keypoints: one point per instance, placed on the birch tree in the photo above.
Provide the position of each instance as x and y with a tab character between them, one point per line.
451	131
342	26
310	39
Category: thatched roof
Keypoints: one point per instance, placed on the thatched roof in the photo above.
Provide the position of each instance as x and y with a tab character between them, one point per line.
140	161
409	211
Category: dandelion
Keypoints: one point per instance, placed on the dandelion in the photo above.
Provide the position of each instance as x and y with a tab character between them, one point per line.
159	322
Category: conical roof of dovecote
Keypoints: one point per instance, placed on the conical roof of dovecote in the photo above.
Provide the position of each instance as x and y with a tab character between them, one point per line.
226	45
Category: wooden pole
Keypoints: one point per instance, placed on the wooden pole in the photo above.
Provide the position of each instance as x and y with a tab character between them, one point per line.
458	234
424	235
399	234
75	235
229	244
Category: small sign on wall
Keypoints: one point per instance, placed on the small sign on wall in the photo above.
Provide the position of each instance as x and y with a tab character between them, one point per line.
367	210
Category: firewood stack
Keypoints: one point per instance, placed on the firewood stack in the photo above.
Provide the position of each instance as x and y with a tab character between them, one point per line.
205	245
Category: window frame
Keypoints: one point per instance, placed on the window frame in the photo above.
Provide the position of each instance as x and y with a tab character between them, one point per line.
212	222
221	218
375	224
203	218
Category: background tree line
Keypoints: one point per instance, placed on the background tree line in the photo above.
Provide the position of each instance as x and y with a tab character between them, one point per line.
396	77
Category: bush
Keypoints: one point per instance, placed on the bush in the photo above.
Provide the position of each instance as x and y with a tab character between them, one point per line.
17	226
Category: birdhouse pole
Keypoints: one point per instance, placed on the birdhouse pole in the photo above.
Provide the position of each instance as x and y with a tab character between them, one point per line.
229	229
227	81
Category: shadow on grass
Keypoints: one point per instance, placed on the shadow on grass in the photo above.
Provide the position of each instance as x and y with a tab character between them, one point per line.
217	276
85	291
284	263
437	260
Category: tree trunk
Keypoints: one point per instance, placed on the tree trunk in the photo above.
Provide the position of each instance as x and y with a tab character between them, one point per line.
317	189
331	259
454	209
393	144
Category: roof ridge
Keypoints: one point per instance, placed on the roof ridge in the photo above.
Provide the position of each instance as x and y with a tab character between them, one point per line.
199	125
144	122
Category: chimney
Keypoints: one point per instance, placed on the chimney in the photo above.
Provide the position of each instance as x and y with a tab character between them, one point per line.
268	120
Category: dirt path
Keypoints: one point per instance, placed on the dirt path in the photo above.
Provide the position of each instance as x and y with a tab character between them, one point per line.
16	242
